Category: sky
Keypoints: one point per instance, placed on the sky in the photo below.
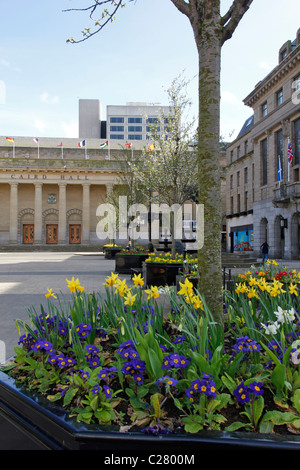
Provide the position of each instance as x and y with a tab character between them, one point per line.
135	58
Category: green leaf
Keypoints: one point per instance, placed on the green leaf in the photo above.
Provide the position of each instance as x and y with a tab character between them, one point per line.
193	427
70	394
296	400
155	402
155	364
258	406
236	425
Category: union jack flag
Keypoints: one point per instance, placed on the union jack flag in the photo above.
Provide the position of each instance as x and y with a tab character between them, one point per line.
290	152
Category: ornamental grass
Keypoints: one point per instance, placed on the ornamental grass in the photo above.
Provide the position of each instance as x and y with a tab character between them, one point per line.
118	359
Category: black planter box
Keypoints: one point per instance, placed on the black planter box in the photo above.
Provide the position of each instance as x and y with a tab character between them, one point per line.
30	421
124	263
111	251
161	274
193	280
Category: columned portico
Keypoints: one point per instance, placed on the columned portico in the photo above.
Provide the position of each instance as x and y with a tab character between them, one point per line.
13	214
62	216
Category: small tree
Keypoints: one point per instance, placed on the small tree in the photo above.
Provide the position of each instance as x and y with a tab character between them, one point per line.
168	167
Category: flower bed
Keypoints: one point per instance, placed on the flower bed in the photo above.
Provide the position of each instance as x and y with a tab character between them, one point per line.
120	360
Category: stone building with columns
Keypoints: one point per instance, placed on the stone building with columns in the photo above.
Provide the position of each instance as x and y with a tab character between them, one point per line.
50	190
263	202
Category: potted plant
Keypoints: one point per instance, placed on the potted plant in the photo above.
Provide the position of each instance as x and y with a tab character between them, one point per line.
116	372
130	258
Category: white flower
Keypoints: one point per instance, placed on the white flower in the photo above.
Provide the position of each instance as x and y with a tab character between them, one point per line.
284	315
271	328
295	355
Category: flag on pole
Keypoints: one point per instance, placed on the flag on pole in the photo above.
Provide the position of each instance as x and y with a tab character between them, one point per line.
290	152
105	144
279	176
10	139
81	144
60	145
129	145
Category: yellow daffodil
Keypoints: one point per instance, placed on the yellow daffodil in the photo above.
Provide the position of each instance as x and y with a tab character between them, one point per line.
252	293
112	280
293	289
197	302
152	292
274	262
121	287
241	288
129	298
50	294
186	288
74	284
138	280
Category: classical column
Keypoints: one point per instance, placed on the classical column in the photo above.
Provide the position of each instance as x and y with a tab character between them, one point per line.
86	214
13	213
62	215
38	201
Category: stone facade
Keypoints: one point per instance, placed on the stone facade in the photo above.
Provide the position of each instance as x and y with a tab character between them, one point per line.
269	206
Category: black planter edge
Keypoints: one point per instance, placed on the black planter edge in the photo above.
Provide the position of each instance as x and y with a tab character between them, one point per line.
49	424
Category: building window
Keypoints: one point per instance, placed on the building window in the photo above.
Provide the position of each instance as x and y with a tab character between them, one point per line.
135	137
134	128
231	181
264	109
134	120
231	205
117	128
231	156
296	150
238	152
246	147
239	203
264	162
246	201
117	136
238	178
246	175
153	120
117	119
279	152
149	129
283	54
279	97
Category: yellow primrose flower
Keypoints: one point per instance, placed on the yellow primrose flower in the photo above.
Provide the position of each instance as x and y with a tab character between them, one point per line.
50	294
293	289
138	280
129	299
74	284
152	292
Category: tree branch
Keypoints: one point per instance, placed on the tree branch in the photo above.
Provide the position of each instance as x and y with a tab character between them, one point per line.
107	16
182	6
233	17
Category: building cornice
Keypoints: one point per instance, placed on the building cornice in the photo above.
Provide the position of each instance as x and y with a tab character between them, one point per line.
271	80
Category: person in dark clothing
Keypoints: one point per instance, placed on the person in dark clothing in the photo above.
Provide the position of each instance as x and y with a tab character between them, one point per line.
265	251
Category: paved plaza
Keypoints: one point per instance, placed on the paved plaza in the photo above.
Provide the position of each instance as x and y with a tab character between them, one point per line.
25	277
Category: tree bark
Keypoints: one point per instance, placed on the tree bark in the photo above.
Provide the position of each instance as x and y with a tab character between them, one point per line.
209	256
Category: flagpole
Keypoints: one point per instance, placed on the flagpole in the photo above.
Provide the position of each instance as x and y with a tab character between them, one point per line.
38	149
14	149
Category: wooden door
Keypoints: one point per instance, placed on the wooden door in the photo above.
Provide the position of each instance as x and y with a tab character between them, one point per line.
52	233
75	234
28	233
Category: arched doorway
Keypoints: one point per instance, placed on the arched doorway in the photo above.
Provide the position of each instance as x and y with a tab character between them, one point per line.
74	222
26	226
263	231
279	240
50	224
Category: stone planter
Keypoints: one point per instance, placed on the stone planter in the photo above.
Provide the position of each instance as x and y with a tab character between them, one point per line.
124	262
29	421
